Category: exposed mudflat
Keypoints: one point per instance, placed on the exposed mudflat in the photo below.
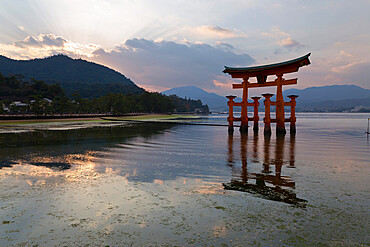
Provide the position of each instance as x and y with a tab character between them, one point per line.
62	125
119	184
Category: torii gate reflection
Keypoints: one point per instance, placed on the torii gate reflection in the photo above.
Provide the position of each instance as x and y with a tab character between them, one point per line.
282	188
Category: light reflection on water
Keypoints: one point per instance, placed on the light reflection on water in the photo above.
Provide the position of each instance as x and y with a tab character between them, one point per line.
157	184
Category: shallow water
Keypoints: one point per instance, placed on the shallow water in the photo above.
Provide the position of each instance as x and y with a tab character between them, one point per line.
157	184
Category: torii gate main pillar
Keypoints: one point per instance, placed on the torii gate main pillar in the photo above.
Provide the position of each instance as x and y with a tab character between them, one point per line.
244	112
280	113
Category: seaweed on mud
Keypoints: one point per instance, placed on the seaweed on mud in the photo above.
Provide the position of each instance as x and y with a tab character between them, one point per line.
53	165
271	193
6	164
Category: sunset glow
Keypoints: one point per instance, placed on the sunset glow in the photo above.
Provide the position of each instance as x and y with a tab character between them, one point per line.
160	45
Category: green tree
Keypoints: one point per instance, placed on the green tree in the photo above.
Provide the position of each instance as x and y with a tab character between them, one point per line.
2	105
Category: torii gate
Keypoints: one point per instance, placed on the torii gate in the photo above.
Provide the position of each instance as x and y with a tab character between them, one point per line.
261	73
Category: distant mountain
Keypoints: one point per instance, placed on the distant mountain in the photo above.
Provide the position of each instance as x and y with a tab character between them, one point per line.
215	102
348	105
87	78
335	98
327	93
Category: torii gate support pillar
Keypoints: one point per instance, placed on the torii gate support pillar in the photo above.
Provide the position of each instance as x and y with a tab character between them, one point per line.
267	120
292	113
230	119
255	113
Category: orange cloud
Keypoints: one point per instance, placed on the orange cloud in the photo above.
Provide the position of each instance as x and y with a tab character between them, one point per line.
276	32
216	32
289	43
222	83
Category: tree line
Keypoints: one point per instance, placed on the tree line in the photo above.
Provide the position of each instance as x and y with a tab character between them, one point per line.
36	97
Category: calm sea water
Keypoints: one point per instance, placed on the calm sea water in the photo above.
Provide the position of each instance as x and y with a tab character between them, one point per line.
157	184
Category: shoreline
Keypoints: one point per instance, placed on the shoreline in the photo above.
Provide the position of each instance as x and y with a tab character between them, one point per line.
64	116
138	117
80	117
68	118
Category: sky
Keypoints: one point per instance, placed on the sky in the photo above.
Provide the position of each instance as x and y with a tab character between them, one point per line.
164	44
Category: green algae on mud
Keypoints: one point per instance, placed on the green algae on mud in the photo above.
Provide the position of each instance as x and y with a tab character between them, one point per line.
41	121
155	117
97	119
19	126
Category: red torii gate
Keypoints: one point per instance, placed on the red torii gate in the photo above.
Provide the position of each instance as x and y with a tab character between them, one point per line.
261	73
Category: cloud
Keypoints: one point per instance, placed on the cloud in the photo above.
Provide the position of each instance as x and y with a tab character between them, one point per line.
46	45
353	73
156	65
345	68
223	82
43	40
283	39
340	69
224	44
276	33
345	54
215	32
166	64
290	43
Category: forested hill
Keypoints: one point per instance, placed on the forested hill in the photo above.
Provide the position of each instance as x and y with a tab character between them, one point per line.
19	96
87	78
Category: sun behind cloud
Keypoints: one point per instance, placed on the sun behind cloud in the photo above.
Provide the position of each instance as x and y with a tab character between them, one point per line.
45	45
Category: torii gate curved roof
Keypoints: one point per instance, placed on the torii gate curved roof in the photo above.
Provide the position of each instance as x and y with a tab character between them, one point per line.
269	69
